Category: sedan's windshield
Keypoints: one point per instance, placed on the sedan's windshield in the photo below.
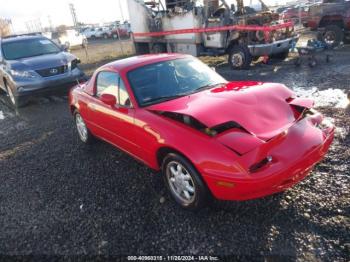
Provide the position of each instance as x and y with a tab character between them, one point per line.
168	80
28	47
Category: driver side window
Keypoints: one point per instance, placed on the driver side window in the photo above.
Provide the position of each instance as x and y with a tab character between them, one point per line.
111	83
107	83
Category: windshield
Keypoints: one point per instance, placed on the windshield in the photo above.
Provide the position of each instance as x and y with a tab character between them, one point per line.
168	80
28	48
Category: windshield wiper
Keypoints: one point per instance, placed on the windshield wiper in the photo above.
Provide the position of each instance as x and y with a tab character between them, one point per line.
209	86
164	98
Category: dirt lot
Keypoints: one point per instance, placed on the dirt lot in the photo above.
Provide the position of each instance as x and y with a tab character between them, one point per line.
60	197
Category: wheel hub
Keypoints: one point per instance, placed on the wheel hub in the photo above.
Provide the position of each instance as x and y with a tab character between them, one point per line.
237	59
329	37
180	182
82	130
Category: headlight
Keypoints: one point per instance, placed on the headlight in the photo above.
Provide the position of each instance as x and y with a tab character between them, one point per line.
22	74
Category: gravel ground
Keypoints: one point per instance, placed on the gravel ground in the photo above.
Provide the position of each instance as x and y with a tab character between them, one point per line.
60	197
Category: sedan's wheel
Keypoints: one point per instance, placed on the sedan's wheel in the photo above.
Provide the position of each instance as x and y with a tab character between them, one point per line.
180	182
83	132
184	182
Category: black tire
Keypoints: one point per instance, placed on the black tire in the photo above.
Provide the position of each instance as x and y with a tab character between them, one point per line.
16	101
89	139
333	35
202	193
280	56
239	57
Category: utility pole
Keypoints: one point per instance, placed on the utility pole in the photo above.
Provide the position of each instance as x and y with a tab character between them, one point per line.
74	15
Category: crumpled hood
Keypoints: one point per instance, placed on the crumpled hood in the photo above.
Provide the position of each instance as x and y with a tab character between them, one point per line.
260	108
42	62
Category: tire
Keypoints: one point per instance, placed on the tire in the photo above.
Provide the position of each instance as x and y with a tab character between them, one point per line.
333	35
85	135
281	56
239	57
16	102
197	196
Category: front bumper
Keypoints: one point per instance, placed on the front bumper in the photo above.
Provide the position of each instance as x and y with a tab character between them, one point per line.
47	85
276	47
294	155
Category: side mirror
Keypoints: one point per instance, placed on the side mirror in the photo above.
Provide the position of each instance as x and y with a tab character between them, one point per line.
108	99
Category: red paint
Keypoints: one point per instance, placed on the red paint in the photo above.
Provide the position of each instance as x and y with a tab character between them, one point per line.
216	29
262	109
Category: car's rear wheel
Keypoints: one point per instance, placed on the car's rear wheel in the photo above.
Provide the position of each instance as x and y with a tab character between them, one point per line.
83	132
184	183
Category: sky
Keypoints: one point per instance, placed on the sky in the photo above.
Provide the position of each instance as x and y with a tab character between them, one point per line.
30	12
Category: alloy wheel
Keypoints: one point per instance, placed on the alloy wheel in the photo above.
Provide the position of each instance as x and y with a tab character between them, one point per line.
180	182
81	127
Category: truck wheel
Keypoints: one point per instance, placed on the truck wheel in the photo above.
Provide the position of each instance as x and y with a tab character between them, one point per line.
239	57
333	35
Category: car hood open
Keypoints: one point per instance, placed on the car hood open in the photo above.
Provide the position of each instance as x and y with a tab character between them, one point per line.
259	108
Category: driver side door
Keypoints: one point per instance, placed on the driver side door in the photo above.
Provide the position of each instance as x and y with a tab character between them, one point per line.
115	123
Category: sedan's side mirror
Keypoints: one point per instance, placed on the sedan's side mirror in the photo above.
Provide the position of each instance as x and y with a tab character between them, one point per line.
108	99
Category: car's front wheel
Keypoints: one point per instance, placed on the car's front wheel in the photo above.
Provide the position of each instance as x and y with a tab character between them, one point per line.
83	132
239	57
184	182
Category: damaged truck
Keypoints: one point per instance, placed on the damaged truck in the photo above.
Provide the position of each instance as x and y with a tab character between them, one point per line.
211	28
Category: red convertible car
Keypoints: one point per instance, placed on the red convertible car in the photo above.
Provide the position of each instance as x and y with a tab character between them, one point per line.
209	137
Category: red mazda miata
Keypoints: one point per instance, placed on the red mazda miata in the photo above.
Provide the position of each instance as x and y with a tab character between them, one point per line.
209	137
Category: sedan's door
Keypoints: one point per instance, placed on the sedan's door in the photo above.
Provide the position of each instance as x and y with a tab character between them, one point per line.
113	123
